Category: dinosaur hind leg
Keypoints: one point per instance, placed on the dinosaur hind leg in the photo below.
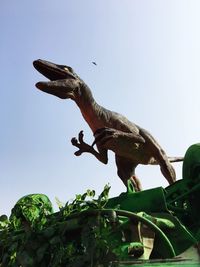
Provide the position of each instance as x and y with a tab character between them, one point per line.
160	156
165	166
136	183
168	171
126	170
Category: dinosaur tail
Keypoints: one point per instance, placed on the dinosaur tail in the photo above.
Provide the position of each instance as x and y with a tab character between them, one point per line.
175	159
171	159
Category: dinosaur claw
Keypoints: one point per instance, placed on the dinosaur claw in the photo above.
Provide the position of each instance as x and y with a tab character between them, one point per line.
74	141
78	153
80	137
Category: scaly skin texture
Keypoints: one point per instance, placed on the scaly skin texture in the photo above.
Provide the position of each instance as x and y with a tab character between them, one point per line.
131	144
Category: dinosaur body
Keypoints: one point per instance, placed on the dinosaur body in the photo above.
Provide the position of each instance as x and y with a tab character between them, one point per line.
131	144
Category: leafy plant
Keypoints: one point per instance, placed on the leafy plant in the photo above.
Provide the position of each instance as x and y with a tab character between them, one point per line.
75	236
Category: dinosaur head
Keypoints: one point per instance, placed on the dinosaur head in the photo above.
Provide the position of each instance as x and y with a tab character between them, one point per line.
63	81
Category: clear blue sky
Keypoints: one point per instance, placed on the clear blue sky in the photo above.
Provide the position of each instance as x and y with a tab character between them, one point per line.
148	56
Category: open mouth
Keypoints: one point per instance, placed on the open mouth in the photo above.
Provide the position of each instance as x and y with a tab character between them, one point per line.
52	71
62	79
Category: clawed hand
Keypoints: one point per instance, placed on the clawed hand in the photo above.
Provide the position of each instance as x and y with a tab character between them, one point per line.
83	147
101	136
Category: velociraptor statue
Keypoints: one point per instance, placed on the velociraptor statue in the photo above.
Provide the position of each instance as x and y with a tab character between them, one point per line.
131	144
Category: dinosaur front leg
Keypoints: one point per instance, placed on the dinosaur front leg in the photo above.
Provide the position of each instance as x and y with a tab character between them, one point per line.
127	145
104	135
83	147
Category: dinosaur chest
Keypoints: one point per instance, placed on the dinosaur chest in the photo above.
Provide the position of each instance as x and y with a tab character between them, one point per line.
93	120
100	118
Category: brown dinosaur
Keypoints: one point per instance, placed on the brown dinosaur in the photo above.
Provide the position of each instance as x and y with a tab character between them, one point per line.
131	144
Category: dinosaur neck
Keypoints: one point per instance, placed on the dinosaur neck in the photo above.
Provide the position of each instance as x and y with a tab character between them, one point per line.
91	111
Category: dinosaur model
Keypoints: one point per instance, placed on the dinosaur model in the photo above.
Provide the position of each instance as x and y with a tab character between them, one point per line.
131	144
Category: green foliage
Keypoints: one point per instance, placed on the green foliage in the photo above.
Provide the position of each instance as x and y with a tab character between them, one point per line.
31	211
75	236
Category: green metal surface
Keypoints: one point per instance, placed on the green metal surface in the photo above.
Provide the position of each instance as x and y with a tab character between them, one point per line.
183	197
152	200
159	263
